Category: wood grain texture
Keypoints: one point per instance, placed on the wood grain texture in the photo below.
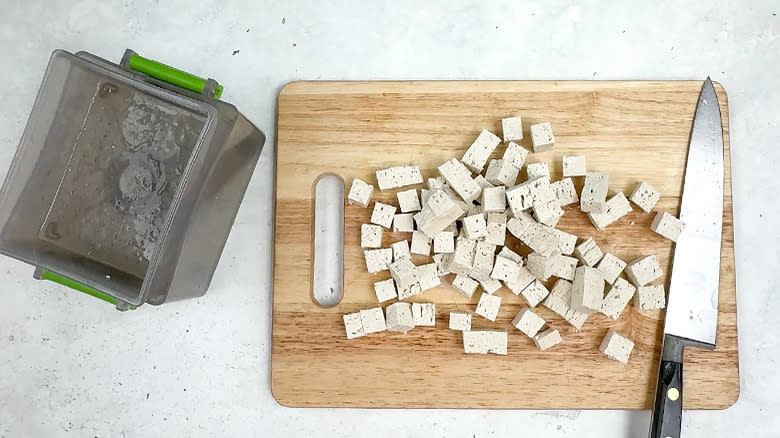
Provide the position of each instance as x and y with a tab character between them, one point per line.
634	130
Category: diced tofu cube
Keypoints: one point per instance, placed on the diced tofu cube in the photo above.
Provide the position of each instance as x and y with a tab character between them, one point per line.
478	153
542	137
485	341
444	243
465	285
403	223
528	322
515	154
428	276
593	198
401	250
487	306
524	280
650	298
421	244
370	236
563	267
497	341
474	227
383	214
667	225
399	317
565	192
489	285
404	272
463	257
485	184
424	314
538	170
398	176
610	267
512	128
588	252
360	193
496	229
524	195
616	299
616	346
645	196
644	270
385	290
505	269
540	266
588	291
494	199
484	254
574	165
425	195
511	255
460	321
615	208
373	320
502	173
538	237
378	260
559	301
443	262
459	178
353	325
408	201
548	213
436	183
534	293
438	213
547	339
566	242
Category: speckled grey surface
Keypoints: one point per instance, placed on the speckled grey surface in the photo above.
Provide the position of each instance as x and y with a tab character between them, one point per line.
70	365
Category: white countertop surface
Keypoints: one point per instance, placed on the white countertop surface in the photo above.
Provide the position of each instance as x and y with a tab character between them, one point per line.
71	365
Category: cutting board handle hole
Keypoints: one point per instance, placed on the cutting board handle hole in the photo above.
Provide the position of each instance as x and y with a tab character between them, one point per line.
328	245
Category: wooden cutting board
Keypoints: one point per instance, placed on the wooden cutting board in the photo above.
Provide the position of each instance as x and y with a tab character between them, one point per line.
631	129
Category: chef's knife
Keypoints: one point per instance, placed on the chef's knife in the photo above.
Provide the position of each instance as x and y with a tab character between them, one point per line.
692	308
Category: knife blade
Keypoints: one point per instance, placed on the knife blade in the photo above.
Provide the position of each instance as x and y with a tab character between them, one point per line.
692	306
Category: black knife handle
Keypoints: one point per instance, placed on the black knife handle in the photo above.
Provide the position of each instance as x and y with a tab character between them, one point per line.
667	411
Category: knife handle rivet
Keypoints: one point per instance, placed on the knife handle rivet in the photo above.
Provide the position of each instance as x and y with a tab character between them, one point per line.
673	394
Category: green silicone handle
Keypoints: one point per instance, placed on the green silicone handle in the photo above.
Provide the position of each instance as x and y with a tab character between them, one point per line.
171	75
73	284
